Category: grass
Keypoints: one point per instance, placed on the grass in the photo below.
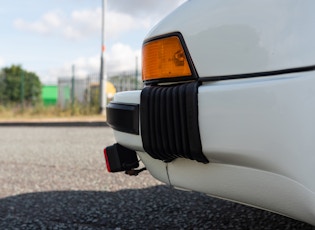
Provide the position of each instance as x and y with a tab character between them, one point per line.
41	112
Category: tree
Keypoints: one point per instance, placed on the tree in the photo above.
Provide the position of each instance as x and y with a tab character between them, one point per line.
17	84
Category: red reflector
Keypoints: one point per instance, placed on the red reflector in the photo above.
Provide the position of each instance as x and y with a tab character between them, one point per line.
107	161
119	158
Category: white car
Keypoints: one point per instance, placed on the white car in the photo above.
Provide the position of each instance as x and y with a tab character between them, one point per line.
228	107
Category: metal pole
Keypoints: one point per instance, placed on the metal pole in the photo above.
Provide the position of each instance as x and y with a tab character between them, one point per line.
72	87
22	91
103	74
136	77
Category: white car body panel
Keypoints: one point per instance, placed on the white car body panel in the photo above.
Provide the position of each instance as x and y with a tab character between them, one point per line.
232	37
263	144
258	133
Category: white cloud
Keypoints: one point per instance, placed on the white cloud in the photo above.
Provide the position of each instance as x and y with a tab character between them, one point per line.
119	58
46	25
86	23
78	24
81	24
145	8
83	67
119	23
52	19
124	16
37	27
121	17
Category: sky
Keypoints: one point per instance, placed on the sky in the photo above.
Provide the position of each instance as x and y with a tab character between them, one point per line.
49	37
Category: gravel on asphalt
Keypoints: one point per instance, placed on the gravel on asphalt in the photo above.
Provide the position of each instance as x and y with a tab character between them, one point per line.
55	178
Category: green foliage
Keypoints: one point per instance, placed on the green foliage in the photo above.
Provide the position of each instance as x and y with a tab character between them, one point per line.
18	85
21	96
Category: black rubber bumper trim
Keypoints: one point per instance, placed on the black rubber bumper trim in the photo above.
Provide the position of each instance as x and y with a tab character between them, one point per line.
169	122
258	74
123	117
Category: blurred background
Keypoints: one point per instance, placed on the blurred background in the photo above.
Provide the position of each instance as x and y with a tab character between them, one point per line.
50	53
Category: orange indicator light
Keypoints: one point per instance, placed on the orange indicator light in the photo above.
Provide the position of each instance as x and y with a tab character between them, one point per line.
164	58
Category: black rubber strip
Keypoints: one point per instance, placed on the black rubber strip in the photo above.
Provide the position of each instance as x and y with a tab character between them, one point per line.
258	74
169	122
123	117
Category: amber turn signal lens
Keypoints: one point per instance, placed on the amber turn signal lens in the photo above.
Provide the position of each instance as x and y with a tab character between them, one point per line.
164	58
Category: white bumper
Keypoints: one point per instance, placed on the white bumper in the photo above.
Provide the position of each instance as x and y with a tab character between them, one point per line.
259	136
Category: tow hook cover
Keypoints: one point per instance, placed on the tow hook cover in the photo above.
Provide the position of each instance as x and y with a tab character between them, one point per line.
119	158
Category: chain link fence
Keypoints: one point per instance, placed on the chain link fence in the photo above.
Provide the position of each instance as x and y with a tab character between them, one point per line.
86	90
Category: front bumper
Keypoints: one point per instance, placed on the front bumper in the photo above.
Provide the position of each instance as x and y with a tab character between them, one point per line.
169	121
258	135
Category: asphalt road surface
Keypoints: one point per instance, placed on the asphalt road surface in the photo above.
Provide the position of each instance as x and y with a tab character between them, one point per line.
55	178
